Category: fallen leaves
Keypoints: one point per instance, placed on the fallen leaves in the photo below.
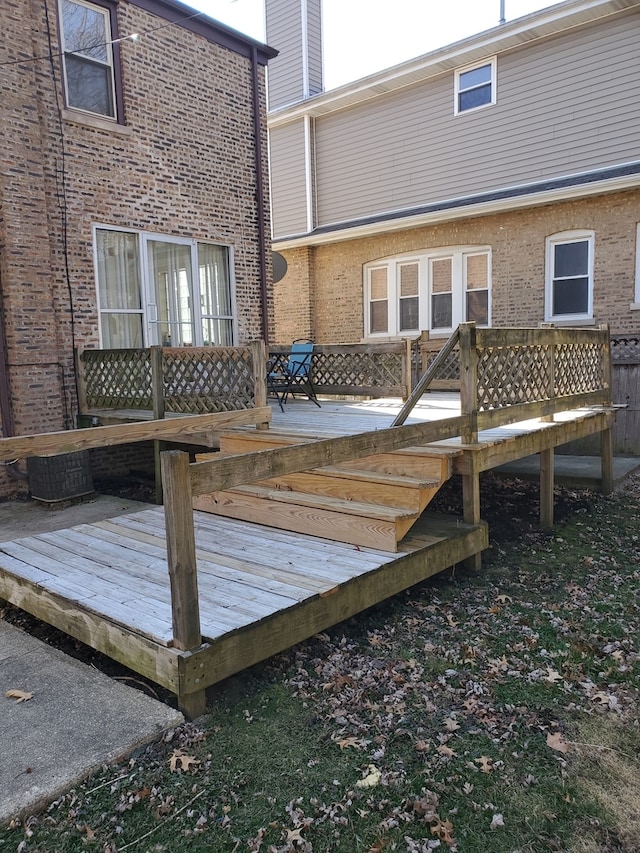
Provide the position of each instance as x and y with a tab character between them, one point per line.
556	741
19	695
372	779
181	761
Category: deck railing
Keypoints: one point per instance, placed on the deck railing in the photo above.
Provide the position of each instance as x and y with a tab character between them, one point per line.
509	375
359	370
186	380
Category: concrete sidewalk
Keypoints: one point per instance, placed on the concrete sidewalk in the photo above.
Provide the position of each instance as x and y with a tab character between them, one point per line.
576	472
78	718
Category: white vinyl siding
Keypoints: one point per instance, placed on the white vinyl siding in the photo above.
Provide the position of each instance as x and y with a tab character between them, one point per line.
435	291
569	276
289	185
566	106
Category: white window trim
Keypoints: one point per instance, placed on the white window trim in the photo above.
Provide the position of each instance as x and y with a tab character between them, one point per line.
635	306
551	241
423	259
493	63
147	305
110	64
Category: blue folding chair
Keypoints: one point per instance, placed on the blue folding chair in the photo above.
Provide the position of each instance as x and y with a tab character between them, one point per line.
294	375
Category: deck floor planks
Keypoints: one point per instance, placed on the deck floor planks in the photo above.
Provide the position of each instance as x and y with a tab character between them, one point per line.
82	588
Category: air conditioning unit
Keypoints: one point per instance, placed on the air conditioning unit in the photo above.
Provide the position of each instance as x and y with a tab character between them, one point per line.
60	478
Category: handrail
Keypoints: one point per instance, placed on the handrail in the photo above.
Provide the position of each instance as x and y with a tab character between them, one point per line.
426	379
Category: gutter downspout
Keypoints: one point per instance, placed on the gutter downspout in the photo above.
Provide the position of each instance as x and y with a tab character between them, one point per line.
260	195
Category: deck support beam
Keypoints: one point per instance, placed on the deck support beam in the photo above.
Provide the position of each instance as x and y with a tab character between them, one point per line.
546	489
606	460
471	509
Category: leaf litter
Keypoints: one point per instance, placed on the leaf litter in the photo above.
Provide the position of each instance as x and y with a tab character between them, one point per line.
474	712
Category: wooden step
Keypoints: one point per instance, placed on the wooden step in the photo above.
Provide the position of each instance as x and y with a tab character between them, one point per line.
366	525
354	484
424	462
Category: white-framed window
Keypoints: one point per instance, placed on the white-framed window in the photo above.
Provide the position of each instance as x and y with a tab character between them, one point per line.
475	86
569	276
435	290
154	289
88	61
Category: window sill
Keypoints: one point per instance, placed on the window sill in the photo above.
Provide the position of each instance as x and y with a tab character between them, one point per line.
559	322
635	306
109	125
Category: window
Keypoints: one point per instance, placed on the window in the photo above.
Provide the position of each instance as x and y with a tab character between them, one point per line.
163	290
569	276
434	291
88	57
475	86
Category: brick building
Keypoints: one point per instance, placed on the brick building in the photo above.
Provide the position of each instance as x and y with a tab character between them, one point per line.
496	179
134	203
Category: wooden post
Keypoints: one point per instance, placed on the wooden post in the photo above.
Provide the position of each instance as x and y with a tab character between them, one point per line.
81	382
181	558
606	461
259	361
407	368
546	489
471	509
157	395
469	380
551	376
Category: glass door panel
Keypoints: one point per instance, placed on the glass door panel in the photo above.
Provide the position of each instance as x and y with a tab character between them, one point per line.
170	293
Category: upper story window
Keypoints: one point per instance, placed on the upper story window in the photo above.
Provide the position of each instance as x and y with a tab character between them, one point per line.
475	86
569	276
433	291
87	36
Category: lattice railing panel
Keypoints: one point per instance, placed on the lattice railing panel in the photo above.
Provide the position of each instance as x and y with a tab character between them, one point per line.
357	369
117	379
511	375
578	368
216	379
449	369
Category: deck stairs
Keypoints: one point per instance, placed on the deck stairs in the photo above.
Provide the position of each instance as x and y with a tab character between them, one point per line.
373	501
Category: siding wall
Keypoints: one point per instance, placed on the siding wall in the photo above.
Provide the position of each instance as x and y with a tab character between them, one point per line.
183	165
333	296
294	29
565	105
288	174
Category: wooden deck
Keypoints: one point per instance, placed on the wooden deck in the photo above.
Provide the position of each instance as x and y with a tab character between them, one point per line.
187	598
261	590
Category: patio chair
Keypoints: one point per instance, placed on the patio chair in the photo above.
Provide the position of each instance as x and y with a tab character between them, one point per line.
293	376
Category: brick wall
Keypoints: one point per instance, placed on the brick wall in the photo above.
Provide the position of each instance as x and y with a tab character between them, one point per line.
517	239
182	165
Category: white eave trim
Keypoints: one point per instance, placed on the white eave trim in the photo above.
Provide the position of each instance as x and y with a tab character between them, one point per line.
385	226
538	25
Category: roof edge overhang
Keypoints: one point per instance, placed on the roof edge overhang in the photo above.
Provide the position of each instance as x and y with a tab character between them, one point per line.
569	188
538	25
210	29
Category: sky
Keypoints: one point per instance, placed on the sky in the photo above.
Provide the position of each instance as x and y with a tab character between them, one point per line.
364	36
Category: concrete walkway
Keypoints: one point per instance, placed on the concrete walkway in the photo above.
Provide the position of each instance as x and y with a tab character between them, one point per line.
577	472
78	718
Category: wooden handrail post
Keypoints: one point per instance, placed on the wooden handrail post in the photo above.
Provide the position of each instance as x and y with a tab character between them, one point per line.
181	559
551	382
259	363
469	380
157	396
181	549
81	382
406	368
